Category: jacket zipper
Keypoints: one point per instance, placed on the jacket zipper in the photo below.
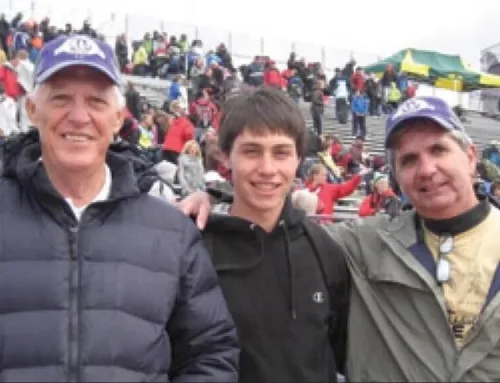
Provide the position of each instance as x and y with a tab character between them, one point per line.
74	302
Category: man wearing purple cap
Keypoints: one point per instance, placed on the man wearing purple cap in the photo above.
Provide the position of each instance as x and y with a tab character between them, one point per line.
424	303
424	297
99	281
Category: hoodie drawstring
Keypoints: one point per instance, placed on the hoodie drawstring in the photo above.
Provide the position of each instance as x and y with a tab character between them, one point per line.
291	272
261	242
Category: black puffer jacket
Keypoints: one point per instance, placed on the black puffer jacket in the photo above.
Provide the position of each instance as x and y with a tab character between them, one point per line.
126	294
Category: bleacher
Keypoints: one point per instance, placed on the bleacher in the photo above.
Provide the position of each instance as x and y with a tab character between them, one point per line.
154	90
481	129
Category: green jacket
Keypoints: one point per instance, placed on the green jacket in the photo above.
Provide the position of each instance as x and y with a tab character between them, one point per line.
398	327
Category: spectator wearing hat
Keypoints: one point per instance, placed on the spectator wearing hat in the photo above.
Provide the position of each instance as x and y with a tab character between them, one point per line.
426	282
99	281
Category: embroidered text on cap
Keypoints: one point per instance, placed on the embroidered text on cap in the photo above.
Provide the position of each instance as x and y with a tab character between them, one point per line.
412	106
80	46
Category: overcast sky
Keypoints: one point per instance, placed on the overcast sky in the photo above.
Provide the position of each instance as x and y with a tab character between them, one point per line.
364	26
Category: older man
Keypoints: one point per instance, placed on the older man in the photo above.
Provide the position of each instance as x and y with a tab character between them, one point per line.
424	301
98	280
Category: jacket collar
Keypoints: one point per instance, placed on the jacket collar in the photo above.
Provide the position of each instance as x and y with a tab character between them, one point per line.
403	228
406	227
131	176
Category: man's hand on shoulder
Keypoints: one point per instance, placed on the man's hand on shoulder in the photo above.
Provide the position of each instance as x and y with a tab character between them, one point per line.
196	205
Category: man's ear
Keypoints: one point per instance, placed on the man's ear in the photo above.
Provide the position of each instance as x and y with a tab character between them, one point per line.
120	117
473	158
31	110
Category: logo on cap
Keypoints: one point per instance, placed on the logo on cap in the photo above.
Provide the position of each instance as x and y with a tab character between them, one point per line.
412	106
80	46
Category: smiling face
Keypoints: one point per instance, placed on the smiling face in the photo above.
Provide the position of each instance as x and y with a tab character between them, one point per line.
263	168
77	114
434	170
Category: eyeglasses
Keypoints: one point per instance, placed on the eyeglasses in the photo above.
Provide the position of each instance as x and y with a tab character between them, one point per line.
443	269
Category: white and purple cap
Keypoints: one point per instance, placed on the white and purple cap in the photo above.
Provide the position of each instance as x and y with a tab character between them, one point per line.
76	50
431	108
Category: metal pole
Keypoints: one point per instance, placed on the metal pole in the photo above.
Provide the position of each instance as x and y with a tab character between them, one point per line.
262	46
323	57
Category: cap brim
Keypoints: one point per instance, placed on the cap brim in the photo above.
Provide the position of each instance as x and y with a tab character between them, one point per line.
438	120
68	64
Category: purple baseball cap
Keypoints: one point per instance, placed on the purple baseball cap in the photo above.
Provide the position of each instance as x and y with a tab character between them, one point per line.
431	108
75	50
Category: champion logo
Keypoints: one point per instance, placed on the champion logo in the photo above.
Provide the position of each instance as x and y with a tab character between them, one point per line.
318	297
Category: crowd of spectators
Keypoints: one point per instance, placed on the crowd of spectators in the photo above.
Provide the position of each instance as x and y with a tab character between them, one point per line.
183	132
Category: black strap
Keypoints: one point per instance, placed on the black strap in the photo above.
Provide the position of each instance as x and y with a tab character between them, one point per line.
331	259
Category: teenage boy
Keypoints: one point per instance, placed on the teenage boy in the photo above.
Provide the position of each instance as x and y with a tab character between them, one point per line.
285	282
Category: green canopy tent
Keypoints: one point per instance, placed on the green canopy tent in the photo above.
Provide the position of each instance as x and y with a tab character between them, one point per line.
441	70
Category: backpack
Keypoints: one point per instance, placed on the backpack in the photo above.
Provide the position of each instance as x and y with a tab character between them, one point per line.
336	278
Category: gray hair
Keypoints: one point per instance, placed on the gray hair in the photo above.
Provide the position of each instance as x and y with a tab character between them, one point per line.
305	200
460	136
120	98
